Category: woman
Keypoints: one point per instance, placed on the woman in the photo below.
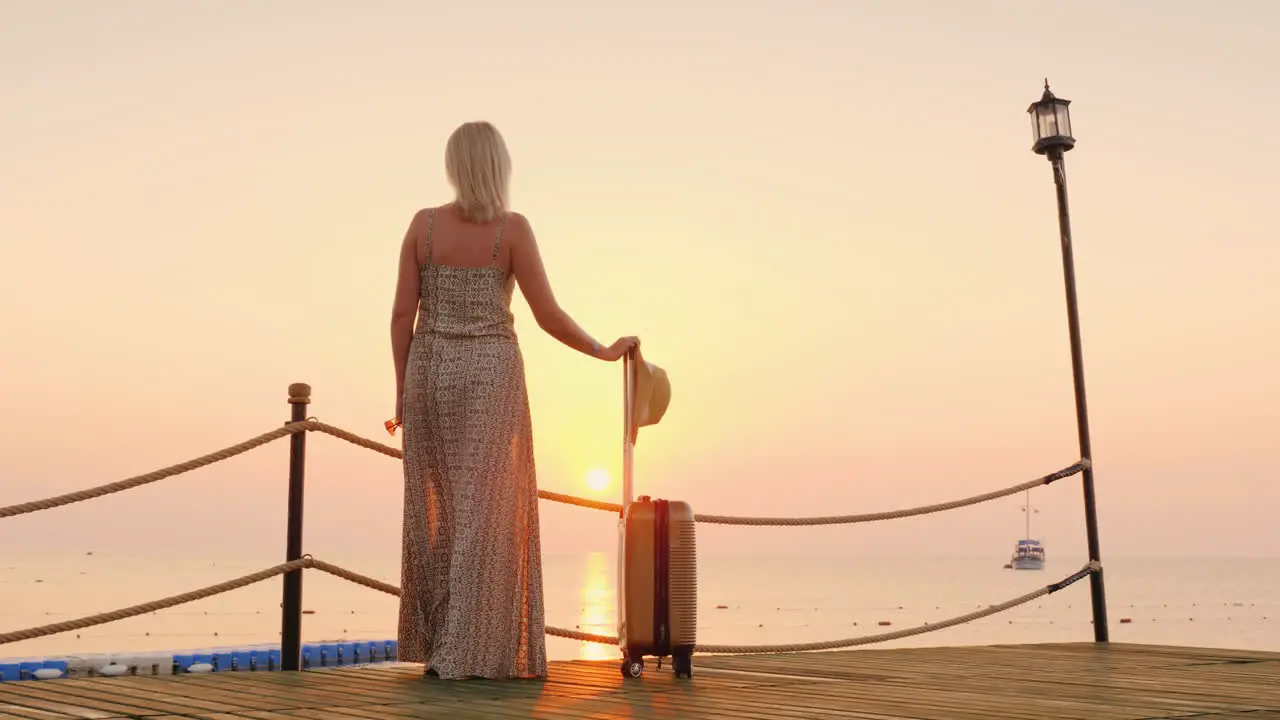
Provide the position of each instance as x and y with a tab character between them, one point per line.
471	579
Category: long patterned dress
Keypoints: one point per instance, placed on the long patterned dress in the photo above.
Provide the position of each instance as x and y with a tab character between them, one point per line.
471	575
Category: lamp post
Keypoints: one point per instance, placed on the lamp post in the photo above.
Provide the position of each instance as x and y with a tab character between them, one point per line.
1051	127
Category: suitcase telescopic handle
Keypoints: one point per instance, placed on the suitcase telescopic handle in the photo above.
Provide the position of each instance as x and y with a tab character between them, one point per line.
628	449
628	446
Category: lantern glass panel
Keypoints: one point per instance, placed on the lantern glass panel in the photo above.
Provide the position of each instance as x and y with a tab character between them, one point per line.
1063	119
1046	122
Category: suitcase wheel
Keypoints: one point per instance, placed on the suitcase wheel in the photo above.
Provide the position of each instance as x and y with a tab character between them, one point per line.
682	664
632	667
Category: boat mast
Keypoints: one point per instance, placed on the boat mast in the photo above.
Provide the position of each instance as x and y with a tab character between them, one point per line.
1027	510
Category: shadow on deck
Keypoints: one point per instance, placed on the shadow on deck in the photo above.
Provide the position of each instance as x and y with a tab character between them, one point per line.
1083	680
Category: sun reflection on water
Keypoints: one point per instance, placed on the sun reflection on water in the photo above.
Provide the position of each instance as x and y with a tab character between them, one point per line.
599	608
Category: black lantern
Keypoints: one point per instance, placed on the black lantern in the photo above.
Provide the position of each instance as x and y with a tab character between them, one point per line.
1051	123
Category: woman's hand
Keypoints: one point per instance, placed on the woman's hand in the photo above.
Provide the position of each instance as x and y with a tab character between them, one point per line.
618	348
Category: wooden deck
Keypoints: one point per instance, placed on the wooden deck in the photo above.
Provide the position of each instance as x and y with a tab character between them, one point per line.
1039	682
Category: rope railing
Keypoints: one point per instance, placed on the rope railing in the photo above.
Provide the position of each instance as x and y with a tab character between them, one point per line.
375	584
317	426
905	632
154	605
130	483
894	514
291	633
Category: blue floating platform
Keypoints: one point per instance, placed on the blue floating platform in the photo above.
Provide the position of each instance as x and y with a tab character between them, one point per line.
252	658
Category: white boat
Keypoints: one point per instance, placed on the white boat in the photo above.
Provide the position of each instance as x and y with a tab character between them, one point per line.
1028	554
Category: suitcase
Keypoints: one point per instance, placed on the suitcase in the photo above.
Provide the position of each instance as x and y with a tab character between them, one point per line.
657	570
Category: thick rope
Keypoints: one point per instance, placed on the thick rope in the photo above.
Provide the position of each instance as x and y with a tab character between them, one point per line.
390	589
614	508
905	632
355	577
892	514
390	451
315	425
213	457
133	482
144	608
354	439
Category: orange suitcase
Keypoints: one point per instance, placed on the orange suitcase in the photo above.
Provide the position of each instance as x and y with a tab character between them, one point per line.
657	568
659	586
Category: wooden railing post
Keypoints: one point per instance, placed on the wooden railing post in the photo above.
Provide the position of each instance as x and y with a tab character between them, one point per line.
291	606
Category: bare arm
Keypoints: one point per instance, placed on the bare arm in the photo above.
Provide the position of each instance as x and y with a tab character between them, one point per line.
405	306
526	265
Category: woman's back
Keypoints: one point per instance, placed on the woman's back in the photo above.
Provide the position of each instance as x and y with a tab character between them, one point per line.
458	242
464	274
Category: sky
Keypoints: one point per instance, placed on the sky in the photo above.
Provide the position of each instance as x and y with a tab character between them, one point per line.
822	217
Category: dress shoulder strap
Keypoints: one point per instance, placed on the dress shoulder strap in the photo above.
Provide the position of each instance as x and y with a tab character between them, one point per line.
497	240
431	224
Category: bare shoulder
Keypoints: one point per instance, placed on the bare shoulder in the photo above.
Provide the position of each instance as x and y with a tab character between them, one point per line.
420	222
517	221
518	229
423	216
414	242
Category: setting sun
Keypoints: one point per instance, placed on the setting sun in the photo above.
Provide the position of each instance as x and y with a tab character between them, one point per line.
597	479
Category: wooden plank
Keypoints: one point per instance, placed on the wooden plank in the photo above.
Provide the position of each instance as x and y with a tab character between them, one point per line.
30	713
257	696
90	693
153	697
58	709
264	690
10	712
49	695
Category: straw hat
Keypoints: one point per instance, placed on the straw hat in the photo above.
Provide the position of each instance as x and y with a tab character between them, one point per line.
653	395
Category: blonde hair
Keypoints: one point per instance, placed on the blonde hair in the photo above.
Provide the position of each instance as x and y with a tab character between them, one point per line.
479	168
